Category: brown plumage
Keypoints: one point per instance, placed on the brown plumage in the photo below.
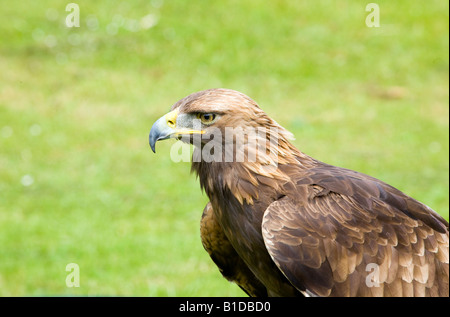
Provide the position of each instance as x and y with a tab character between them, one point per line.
286	224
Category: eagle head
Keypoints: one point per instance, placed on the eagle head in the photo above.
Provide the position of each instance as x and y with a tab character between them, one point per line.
215	116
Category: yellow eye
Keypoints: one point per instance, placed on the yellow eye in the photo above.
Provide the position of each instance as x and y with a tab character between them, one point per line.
206	118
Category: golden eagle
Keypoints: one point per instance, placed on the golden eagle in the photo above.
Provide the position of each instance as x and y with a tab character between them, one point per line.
281	223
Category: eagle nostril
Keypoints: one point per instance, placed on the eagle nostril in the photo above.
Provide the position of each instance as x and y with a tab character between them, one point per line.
170	123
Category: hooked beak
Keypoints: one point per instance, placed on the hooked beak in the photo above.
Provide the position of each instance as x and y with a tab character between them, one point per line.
163	128
166	128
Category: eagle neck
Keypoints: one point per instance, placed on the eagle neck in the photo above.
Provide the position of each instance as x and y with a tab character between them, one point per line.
266	179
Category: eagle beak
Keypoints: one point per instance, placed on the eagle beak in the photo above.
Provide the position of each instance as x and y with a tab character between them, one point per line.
166	128
163	128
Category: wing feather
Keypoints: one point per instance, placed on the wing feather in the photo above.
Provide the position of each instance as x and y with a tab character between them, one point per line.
324	236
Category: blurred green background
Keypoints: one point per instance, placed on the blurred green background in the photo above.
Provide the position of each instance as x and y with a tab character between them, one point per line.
78	181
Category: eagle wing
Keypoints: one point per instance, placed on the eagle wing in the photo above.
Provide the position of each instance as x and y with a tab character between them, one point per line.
343	233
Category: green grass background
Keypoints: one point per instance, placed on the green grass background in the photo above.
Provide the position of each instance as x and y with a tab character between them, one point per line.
78	181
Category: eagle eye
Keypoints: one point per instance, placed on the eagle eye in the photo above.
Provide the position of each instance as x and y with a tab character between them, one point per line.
206	118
